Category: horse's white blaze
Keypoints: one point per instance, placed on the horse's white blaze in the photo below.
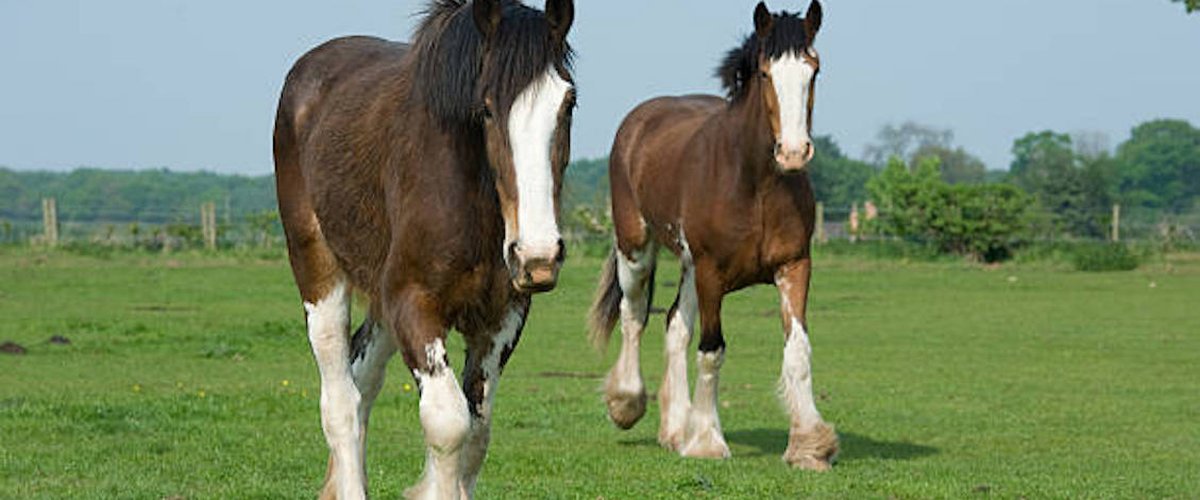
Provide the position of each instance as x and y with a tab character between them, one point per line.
445	420
328	326
792	76
531	128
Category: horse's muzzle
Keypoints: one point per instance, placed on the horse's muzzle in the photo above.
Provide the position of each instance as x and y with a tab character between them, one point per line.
535	271
794	160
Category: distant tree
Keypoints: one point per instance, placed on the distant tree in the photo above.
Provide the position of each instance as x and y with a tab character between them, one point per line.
586	183
1076	191
957	166
1190	5
1159	166
1041	160
149	196
838	180
905	140
1091	144
913	143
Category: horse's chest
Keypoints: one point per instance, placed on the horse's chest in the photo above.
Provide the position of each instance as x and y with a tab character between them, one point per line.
787	225
481	299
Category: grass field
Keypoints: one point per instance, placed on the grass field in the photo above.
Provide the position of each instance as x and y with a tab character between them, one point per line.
191	377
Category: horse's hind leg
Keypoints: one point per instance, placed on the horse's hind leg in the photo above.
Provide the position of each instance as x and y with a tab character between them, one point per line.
370	349
486	356
328	332
812	443
673	400
624	391
326	296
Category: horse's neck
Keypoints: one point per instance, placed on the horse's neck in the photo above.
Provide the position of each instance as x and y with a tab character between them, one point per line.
752	140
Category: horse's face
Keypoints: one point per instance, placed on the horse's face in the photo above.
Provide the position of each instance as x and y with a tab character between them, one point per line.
788	74
528	147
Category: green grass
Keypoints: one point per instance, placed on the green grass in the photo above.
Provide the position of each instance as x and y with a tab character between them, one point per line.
191	376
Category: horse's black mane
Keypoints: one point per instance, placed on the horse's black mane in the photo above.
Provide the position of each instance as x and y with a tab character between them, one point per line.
450	58
788	34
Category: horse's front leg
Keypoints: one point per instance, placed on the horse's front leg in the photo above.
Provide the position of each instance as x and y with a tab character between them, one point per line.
704	437
812	443
487	353
414	315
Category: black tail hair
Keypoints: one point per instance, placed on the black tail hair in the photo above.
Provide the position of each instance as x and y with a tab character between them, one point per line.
606	307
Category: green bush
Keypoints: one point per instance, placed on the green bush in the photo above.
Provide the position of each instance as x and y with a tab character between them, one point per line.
1105	257
982	220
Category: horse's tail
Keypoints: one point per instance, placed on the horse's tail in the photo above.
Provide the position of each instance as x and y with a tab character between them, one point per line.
606	307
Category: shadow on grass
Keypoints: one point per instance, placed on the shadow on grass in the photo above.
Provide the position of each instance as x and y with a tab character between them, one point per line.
852	446
774	442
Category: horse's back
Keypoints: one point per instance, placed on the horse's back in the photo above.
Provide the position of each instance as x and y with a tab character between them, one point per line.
662	121
646	162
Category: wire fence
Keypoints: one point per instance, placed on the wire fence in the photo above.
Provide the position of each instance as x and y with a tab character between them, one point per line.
207	225
219	227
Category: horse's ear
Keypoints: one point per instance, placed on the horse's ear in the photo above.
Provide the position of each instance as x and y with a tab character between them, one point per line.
812	20
487	16
763	21
560	14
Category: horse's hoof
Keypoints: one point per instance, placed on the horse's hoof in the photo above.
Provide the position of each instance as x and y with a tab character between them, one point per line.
809	463
625	409
812	450
706	444
672	441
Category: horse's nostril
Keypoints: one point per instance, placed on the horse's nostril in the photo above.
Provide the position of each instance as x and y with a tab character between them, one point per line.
562	252
510	255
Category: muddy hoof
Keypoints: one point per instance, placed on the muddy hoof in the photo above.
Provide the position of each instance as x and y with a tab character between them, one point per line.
625	409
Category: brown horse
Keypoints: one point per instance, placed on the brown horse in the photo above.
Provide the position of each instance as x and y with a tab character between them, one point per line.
426	177
722	184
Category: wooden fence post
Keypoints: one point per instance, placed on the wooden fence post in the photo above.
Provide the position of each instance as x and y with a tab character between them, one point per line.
1116	223
853	222
50	222
820	225
208	221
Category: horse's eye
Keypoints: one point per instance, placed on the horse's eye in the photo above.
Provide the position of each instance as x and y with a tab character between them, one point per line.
764	75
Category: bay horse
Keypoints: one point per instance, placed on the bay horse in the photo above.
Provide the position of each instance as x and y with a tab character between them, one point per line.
426	177
720	182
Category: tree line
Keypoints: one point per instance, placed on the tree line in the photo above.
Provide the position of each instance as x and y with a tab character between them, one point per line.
147	196
925	186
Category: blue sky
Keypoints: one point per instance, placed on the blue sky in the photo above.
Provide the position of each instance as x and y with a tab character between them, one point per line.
192	85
